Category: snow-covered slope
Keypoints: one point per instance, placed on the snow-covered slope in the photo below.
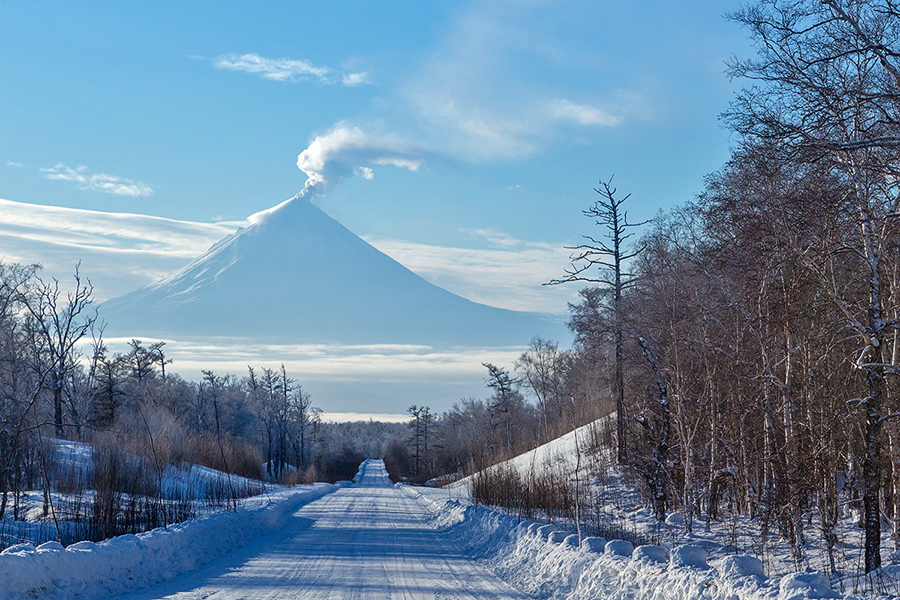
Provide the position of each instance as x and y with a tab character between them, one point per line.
297	275
560	453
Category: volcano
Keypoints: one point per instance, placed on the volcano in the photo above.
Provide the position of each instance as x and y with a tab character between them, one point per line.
295	275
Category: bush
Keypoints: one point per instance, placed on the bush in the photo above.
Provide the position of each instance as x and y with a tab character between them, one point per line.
548	493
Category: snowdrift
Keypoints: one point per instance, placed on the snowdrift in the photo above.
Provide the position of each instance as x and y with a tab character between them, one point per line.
128	562
547	562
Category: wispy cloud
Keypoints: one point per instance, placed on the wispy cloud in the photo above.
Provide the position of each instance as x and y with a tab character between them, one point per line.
14	165
453	112
288	69
566	110
118	251
347	362
121	252
97	182
347	417
355	79
392	377
500	239
509	275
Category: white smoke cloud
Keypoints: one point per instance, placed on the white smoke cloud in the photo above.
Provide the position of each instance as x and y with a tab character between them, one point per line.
348	150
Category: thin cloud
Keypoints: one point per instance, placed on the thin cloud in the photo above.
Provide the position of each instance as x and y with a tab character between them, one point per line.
97	182
462	117
119	251
287	69
356	79
345	362
509	275
348	417
498	238
122	252
566	110
14	165
346	378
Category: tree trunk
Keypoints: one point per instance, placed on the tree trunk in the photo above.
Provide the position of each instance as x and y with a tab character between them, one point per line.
58	405
621	447
871	471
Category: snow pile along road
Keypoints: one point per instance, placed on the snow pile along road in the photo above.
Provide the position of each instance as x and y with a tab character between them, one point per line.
547	562
86	569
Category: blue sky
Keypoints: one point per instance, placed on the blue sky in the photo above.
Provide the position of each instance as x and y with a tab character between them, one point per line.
513	109
462	138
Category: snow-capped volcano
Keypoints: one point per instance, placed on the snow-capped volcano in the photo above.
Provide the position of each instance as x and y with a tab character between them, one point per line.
295	275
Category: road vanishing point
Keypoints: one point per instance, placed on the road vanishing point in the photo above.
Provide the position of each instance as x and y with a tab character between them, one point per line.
369	540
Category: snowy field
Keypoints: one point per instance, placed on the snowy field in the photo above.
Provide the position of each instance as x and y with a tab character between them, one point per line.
544	561
114	566
202	490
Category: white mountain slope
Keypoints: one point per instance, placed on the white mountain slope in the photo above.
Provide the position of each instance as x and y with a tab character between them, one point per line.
297	275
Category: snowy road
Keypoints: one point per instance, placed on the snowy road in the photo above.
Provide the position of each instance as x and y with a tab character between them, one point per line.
366	541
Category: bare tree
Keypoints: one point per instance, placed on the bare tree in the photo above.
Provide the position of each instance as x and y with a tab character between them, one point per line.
543	371
604	261
59	326
305	416
505	398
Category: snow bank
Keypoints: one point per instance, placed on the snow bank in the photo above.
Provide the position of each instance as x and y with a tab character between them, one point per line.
86	569
527	555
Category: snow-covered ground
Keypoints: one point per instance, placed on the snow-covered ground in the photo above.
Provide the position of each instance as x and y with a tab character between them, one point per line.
561	453
77	458
128	562
621	506
205	489
545	561
374	540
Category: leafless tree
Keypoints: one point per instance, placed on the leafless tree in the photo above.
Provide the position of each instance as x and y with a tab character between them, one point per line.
59	327
828	91
604	261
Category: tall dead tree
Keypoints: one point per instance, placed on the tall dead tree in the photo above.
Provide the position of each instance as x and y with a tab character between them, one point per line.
604	261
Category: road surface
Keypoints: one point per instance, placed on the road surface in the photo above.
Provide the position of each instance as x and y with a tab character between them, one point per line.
366	541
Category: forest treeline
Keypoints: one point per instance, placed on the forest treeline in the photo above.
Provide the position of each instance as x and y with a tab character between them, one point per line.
548	392
758	323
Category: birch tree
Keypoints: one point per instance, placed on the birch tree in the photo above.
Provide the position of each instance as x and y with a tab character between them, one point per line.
827	91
